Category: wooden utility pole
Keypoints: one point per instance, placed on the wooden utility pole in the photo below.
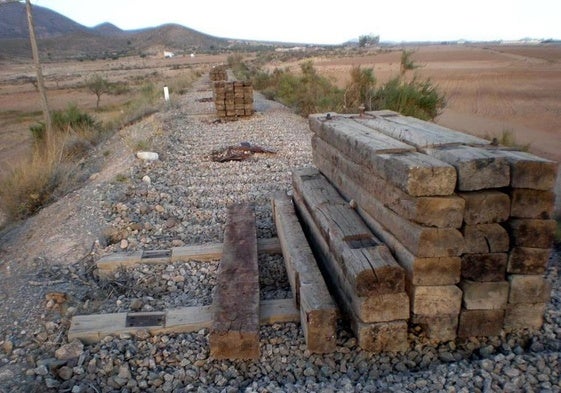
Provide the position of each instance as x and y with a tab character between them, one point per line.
39	72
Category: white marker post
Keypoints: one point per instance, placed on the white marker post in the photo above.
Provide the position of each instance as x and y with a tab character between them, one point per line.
166	94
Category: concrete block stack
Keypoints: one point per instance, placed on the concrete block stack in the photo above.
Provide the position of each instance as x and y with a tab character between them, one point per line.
469	222
233	99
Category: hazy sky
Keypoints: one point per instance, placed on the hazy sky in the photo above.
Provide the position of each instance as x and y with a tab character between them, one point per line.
329	22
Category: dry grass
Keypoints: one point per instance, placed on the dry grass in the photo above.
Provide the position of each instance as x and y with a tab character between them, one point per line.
38	181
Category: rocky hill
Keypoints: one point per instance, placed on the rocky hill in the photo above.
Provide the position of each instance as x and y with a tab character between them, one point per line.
60	37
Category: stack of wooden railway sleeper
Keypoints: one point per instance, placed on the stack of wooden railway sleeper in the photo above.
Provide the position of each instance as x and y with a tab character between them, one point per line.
469	222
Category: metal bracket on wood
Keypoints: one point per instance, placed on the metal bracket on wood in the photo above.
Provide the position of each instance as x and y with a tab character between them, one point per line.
145	319
154	254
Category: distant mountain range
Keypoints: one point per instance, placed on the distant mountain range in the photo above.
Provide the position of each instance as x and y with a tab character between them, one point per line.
61	37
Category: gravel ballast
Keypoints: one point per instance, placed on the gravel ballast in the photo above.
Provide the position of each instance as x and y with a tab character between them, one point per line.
181	199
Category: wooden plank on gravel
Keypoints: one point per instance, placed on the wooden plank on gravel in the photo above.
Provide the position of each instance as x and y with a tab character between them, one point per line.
375	308
477	168
235	327
93	328
201	253
437	211
381	337
363	260
110	263
437	327
213	251
418	133
318	311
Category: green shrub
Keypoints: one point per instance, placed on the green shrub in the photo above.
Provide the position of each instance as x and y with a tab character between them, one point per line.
361	90
309	92
241	70
71	120
306	93
415	98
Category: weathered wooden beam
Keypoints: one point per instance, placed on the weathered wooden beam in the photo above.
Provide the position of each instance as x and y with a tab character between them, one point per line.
414	173
530	171
477	323
368	309
485	207
110	263
363	259
421	241
528	203
477	168
94	327
381	337
234	333
528	289
526	260
529	232
438	211
485	238
419	133
439	328
435	300
420	271
359	139
484	267
318	311
484	295
524	316
203	252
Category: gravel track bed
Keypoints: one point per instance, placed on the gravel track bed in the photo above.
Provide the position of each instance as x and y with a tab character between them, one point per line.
180	200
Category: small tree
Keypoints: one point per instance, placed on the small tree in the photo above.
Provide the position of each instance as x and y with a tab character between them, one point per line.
98	85
368	40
